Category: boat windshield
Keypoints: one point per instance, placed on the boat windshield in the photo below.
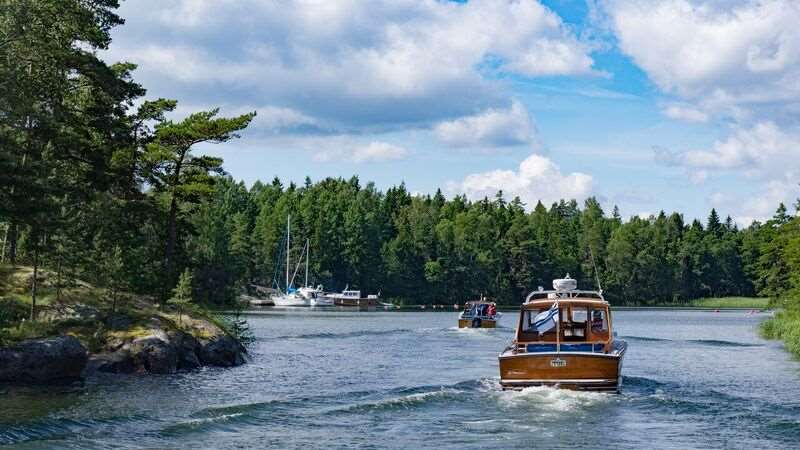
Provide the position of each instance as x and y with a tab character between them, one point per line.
479	310
576	323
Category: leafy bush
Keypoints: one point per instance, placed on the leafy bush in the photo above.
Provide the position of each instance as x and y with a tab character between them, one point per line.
785	326
11	312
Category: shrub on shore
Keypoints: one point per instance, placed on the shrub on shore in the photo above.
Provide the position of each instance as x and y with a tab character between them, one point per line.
785	326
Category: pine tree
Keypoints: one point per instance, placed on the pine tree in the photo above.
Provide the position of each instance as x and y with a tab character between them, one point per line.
182	294
179	174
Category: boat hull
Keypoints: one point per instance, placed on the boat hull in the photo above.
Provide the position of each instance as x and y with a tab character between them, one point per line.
484	323
321	301
355	302
578	371
290	301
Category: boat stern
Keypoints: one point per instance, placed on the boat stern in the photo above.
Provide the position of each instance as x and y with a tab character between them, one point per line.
587	371
477	323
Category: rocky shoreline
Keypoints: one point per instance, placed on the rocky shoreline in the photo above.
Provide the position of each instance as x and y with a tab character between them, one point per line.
158	348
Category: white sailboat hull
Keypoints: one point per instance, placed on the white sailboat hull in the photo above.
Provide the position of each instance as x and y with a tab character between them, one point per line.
290	300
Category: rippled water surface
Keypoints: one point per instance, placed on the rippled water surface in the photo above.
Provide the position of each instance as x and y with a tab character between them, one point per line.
411	379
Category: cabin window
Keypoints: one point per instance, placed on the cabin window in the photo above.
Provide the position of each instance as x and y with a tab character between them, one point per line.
599	322
580	314
526	321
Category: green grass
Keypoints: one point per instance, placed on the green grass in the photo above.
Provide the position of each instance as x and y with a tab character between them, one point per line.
785	326
731	302
15	303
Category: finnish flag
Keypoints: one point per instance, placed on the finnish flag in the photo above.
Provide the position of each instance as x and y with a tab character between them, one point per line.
546	320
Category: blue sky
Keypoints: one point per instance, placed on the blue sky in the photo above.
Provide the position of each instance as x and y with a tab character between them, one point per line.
650	105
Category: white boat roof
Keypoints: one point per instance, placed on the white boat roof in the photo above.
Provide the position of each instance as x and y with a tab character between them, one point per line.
548	297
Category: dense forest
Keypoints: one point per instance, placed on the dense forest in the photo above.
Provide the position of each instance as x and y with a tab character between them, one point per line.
98	184
429	249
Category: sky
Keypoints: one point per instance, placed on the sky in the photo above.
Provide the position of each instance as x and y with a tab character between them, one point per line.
650	105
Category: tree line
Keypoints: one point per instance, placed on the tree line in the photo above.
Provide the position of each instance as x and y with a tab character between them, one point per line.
97	184
429	249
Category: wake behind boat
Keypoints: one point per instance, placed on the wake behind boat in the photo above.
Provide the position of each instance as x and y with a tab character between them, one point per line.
565	339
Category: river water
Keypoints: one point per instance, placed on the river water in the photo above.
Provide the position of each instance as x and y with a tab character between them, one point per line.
693	379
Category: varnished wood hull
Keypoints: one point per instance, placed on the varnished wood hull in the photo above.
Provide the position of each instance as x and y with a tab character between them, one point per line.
355	302
485	323
578	371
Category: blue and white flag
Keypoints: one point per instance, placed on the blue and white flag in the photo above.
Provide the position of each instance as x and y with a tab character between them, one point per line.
546	320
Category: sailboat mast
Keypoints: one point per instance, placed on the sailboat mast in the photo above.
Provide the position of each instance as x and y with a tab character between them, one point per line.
288	219
308	250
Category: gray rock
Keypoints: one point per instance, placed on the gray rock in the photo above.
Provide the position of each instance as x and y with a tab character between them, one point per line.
154	354
222	351
114	362
188	347
43	360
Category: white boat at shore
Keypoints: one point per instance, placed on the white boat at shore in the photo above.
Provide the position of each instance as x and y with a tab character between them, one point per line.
303	296
290	299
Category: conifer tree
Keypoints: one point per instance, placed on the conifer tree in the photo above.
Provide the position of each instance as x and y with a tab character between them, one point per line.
182	294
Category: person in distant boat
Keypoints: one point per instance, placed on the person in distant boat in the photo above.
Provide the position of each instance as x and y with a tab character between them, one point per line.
491	310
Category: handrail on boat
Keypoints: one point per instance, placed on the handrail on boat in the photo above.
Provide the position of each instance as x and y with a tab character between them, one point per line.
563	294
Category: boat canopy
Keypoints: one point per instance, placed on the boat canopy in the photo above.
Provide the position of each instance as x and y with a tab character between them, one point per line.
578	319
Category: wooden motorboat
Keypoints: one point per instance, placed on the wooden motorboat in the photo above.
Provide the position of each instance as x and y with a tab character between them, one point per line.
353	298
479	314
565	339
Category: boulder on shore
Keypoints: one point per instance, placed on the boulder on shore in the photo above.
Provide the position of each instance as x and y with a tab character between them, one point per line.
43	360
111	362
165	353
223	351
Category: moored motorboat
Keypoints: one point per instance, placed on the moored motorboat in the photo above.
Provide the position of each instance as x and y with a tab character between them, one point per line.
349	297
565	339
479	314
315	296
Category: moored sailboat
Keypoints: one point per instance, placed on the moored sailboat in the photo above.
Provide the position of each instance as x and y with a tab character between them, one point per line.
290	296
564	338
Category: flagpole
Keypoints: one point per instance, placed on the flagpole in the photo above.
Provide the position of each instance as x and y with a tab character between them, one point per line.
558	329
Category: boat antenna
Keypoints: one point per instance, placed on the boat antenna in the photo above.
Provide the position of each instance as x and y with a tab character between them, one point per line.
596	273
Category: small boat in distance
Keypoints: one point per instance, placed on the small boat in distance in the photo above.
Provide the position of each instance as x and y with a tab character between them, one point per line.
479	314
353	298
565	339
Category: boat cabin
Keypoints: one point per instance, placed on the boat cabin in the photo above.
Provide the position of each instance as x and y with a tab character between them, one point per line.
583	323
565	339
479	308
350	294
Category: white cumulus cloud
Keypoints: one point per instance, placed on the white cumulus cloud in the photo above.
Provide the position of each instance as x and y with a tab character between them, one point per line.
733	58
764	150
685	113
372	152
491	128
537	179
351	63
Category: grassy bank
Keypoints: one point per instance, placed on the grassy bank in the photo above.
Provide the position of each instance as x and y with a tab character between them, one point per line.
86	312
731	302
786	327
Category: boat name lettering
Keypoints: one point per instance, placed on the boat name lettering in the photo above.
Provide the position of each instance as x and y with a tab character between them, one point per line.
558	362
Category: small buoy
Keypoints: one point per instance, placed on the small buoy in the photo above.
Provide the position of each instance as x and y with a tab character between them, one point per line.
455	305
421	306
